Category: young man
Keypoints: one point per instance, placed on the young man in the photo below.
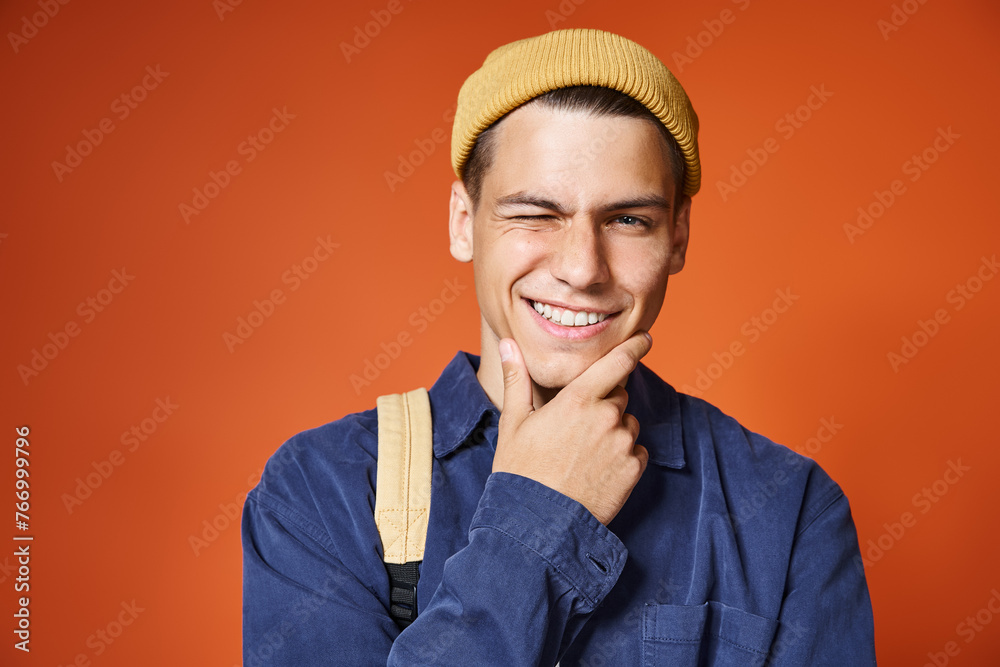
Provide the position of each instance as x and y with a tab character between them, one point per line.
552	535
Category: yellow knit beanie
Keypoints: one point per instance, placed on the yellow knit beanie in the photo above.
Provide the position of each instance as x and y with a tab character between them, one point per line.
517	72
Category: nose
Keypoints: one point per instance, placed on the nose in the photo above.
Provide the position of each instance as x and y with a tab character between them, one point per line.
579	256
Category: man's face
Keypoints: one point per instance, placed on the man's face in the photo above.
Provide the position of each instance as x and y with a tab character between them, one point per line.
577	218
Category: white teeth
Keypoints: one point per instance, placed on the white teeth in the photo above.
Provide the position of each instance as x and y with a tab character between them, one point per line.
566	317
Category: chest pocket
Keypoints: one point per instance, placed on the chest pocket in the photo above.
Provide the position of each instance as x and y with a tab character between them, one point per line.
708	634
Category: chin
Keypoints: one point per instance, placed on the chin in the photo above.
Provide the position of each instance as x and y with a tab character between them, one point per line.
556	374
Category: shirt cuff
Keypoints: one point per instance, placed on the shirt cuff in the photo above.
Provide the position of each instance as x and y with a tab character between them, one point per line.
558	529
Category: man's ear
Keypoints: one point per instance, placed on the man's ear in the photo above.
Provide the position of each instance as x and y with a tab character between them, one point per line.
681	234
460	223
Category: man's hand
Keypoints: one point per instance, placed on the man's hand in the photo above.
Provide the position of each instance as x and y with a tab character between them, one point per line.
582	442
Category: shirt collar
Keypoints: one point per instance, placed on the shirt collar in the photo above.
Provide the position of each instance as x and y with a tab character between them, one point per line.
657	407
459	406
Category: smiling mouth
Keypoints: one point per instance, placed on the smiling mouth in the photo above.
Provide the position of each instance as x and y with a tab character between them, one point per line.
566	317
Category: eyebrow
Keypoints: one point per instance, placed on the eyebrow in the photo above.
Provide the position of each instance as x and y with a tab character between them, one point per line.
538	201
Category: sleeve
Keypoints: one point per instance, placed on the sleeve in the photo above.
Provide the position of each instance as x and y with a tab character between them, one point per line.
536	565
301	605
826	616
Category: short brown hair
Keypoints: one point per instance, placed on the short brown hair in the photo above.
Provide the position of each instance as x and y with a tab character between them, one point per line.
597	101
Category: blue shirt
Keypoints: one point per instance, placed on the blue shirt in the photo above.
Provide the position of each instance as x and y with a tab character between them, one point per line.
731	550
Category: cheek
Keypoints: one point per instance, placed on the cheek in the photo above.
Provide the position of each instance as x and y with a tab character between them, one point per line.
509	258
643	274
513	256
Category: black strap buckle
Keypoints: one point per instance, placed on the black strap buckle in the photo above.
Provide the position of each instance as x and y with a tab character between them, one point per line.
403	579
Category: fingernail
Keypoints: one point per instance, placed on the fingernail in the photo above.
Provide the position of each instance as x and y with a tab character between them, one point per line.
505	350
648	337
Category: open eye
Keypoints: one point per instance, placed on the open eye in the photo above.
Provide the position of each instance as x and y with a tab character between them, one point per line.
631	221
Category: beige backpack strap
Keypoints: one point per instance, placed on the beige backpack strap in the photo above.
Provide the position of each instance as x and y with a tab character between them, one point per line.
403	481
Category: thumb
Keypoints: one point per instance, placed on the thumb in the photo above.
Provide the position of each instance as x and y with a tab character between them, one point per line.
517	404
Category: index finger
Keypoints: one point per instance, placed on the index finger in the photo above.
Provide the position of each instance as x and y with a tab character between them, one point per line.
614	367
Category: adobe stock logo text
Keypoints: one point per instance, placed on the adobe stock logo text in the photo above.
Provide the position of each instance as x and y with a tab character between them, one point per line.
122	106
293	277
752	329
59	340
786	126
420	320
959	296
38	20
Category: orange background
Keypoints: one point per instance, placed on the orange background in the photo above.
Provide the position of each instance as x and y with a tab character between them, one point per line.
324	175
